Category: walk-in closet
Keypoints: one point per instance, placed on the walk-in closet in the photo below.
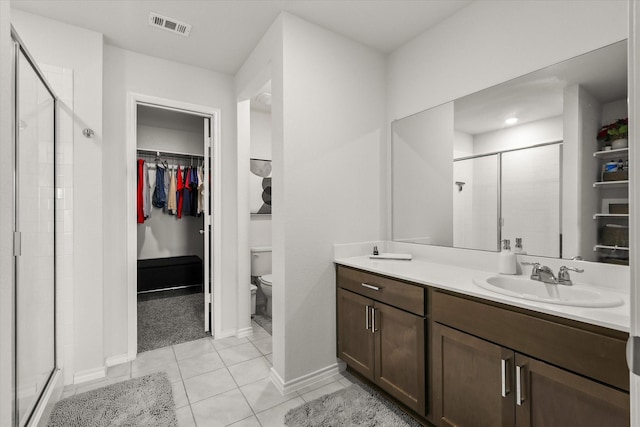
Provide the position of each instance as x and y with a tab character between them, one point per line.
172	204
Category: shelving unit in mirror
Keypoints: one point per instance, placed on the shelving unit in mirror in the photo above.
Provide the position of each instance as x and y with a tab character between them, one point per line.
611	154
612	221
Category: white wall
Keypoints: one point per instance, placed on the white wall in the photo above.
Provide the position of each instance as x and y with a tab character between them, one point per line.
422	152
493	41
260	134
55	43
613	111
462	144
127	71
450	60
260	226
521	136
530	203
326	177
6	220
475	208
579	171
327	183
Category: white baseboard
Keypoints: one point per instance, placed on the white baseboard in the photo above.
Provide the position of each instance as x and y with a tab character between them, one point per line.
117	360
226	334
244	332
301	382
89	375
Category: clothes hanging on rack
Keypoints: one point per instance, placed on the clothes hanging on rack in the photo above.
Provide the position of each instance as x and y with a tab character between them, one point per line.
186	194
139	195
193	187
159	199
165	187
200	191
147	192
180	191
172	206
143	195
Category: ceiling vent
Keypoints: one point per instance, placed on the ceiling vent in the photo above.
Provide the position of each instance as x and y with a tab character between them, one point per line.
169	24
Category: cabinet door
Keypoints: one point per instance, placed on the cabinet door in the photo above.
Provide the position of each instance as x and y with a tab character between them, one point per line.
548	396
355	338
400	355
471	380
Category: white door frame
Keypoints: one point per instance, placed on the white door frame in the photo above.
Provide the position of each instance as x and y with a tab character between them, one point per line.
633	68
133	99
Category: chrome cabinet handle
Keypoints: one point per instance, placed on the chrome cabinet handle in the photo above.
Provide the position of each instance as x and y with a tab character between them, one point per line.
519	398
503	365
368	286
373	321
366	317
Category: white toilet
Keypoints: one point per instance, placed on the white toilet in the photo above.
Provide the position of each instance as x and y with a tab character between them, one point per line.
261	272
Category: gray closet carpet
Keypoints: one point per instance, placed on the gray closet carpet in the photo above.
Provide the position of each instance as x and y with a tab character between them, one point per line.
169	317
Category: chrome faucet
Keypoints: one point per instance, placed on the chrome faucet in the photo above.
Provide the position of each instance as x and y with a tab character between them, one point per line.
544	274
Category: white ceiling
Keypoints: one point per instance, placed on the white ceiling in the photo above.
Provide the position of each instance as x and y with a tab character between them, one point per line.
225	31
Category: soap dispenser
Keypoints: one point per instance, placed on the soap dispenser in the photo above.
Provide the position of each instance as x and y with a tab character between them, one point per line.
506	259
518	250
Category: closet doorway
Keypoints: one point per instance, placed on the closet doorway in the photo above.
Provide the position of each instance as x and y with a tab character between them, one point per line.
173	234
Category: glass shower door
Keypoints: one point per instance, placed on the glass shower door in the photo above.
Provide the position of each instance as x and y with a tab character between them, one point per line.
35	240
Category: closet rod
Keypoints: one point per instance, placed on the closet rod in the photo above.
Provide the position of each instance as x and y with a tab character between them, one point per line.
147	151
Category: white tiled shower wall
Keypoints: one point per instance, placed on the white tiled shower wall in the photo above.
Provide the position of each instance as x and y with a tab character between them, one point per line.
61	81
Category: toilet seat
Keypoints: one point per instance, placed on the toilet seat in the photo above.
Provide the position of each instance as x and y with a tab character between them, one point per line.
266	279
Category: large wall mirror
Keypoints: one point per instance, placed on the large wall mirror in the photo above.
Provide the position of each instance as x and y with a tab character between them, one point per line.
517	161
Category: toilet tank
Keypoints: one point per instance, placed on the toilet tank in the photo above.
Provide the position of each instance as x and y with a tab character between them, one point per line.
260	261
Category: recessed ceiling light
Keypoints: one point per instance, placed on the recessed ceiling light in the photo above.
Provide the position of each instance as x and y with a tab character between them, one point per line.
511	120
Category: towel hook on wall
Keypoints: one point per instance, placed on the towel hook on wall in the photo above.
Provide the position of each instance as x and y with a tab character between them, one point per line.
460	184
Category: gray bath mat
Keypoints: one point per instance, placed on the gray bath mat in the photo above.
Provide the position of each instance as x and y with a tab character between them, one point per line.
356	405
144	401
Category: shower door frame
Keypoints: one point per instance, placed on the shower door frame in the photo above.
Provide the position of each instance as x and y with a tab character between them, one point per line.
51	385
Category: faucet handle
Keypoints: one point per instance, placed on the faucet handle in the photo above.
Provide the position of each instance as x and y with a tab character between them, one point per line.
564	269
535	264
535	271
563	274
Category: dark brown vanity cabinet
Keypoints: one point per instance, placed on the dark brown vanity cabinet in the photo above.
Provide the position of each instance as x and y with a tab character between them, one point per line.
481	378
484	363
381	333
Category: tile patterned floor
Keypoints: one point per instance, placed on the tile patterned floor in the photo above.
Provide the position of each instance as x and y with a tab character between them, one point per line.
220	383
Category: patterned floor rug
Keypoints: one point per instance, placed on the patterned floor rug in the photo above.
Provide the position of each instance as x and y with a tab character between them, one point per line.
144	401
356	405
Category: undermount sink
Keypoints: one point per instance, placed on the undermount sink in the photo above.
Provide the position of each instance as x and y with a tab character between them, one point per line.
525	288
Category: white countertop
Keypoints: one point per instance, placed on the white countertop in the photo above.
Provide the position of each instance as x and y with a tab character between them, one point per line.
459	279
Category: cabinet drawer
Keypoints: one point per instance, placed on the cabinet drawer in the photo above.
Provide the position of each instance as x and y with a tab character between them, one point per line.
600	356
389	291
